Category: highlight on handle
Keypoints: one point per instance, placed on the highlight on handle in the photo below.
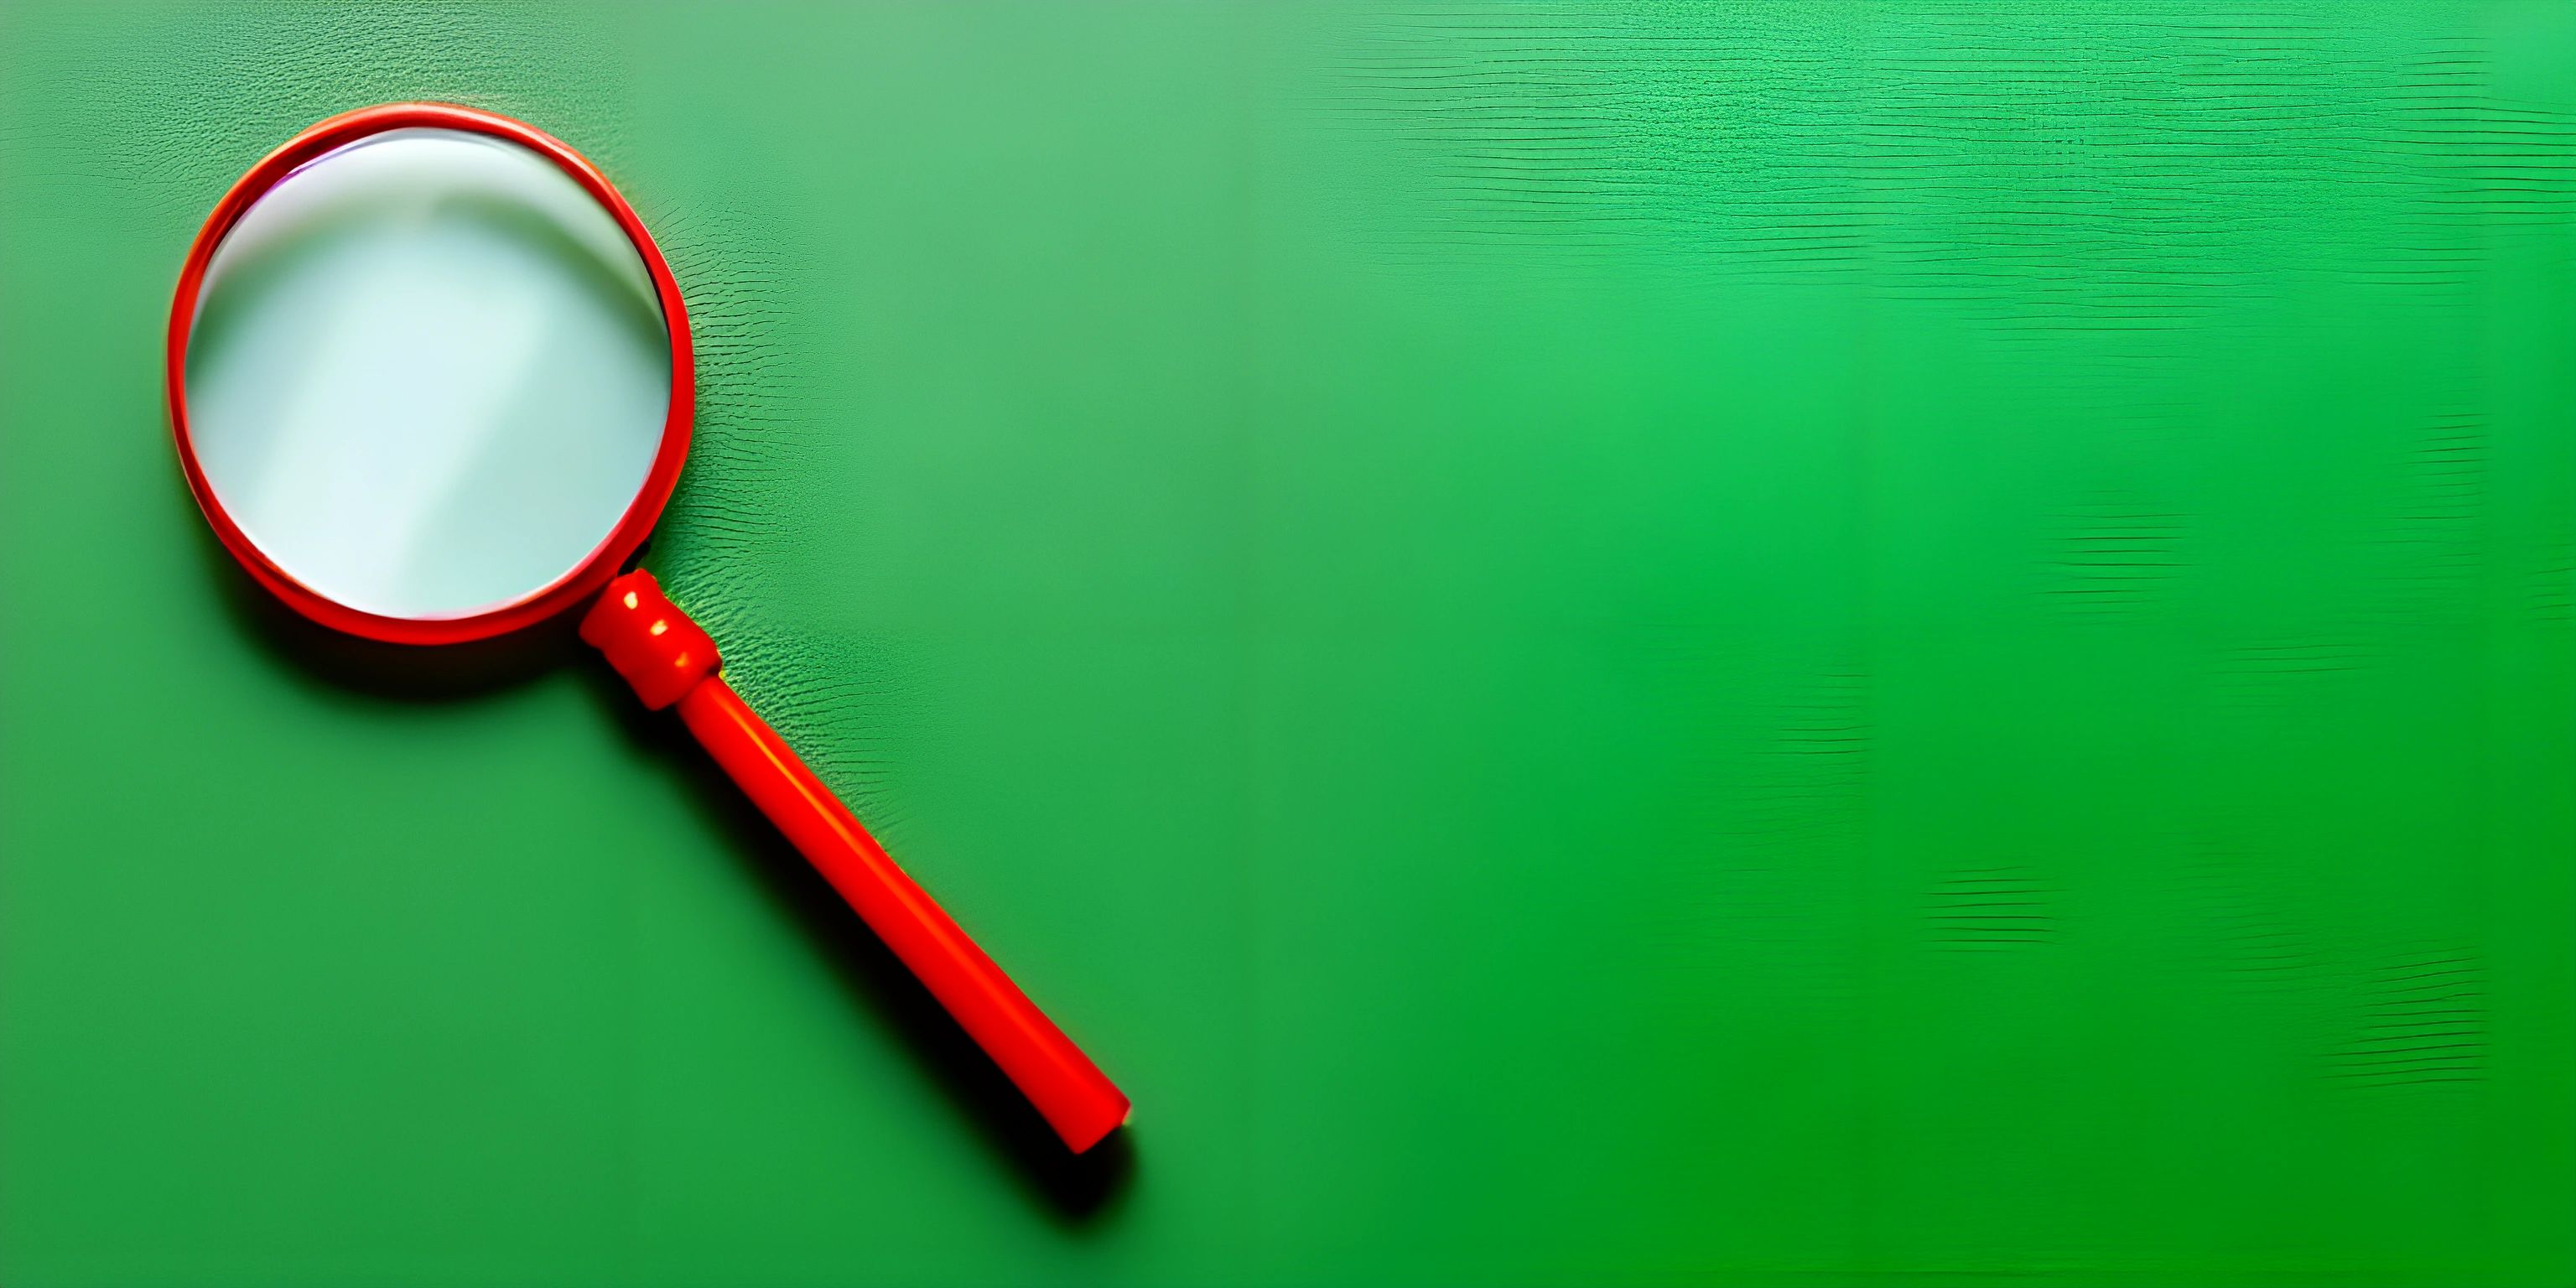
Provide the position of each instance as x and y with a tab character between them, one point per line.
670	661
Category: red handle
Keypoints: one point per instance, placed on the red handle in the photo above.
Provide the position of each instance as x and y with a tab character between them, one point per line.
670	660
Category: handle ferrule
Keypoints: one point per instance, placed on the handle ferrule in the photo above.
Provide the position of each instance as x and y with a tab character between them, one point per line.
648	640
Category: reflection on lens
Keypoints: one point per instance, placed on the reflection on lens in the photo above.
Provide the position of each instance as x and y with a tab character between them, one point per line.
427	374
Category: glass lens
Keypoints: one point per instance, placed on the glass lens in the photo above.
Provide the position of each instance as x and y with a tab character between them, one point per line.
427	374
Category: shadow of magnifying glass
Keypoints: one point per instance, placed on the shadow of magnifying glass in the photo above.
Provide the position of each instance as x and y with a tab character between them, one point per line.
431	385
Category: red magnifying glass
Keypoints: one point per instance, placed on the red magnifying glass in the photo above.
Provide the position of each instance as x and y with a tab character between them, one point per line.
431	382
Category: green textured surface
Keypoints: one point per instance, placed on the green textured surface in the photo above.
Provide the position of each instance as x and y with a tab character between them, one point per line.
1801	643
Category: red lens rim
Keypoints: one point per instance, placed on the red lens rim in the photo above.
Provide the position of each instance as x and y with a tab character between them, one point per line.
573	587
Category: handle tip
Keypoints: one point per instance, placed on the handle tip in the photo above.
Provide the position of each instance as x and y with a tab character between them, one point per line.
1082	1131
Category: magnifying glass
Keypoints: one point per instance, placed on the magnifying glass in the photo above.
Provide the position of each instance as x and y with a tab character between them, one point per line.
431	382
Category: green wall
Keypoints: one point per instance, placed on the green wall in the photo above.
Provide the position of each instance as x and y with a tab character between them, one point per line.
1769	644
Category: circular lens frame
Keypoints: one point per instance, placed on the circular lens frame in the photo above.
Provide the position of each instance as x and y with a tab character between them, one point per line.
593	572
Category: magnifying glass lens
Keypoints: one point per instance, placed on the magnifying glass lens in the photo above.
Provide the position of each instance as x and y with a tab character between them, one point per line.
427	374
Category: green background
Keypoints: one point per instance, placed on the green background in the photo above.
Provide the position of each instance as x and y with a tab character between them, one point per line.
1884	643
